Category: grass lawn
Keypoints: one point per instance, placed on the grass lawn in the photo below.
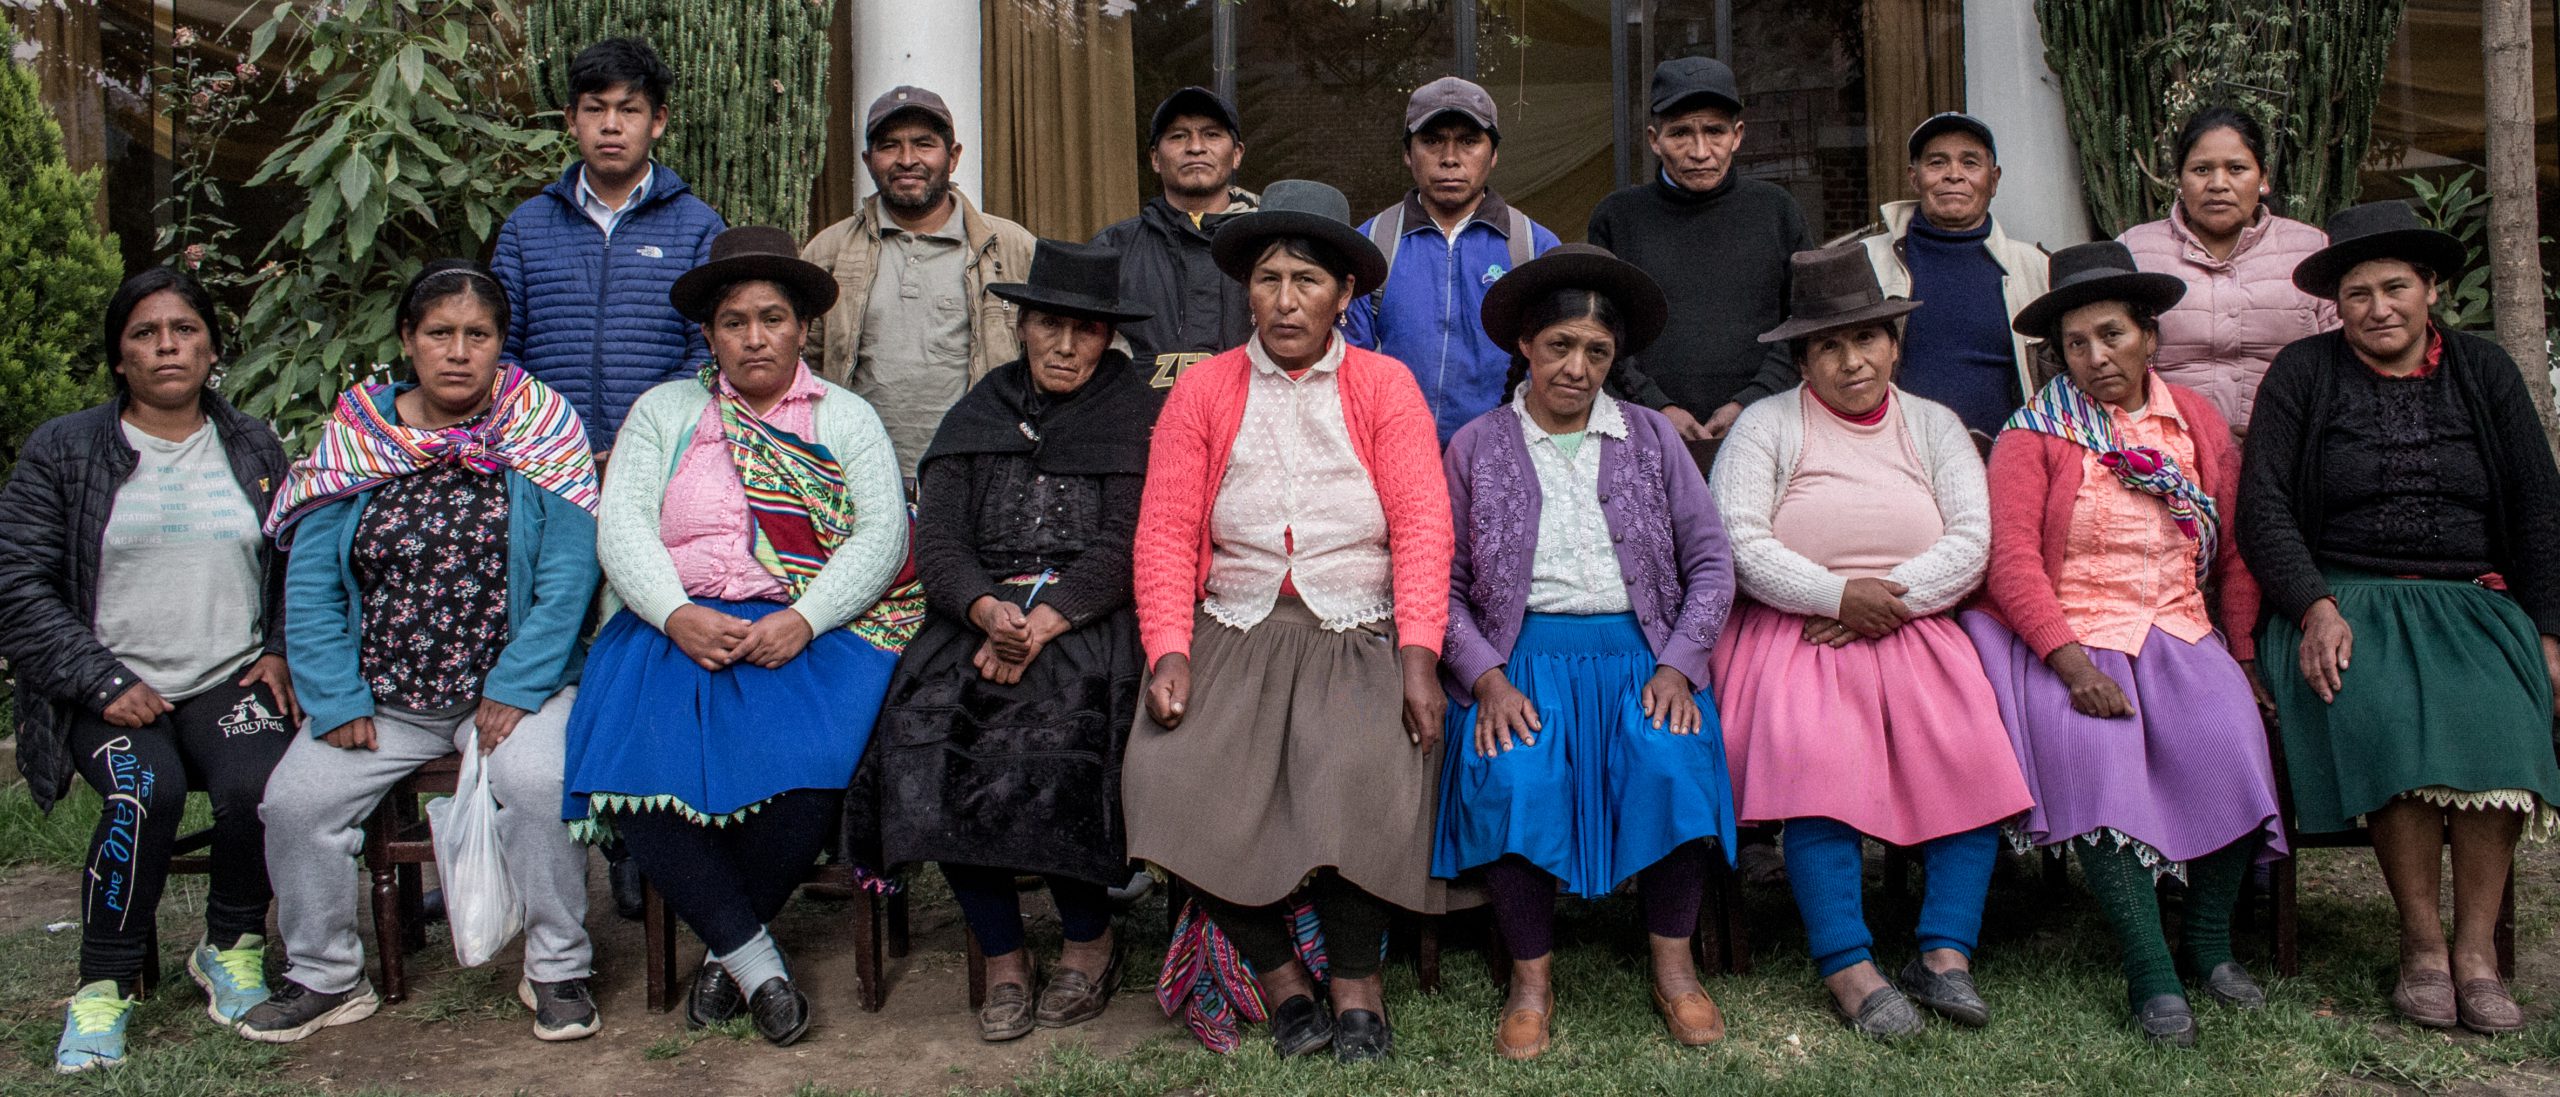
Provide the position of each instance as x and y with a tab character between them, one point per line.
2047	966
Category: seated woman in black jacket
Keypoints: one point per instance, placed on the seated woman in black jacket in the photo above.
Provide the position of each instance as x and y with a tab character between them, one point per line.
138	611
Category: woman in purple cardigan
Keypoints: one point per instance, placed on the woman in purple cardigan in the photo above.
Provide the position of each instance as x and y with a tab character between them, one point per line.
1590	582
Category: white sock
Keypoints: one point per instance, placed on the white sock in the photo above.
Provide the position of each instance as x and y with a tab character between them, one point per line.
754	962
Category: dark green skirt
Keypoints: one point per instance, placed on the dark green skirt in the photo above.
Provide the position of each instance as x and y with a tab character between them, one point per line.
2444	689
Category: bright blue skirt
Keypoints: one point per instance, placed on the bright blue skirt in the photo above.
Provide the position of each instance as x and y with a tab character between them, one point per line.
1602	794
651	725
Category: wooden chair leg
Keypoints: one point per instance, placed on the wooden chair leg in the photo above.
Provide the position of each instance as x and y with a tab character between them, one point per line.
1497	956
2284	932
977	971
149	979
1737	934
1427	954
389	935
658	947
2506	929
897	905
867	959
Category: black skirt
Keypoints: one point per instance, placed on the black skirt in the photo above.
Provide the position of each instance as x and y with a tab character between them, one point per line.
1023	777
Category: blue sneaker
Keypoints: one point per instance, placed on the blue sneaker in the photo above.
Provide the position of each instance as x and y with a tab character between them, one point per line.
234	979
93	1029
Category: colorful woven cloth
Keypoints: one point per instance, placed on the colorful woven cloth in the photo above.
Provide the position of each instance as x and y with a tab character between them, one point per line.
529	428
1209	985
2065	412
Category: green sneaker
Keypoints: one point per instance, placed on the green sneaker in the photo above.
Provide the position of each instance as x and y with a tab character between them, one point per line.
93	1029
234	979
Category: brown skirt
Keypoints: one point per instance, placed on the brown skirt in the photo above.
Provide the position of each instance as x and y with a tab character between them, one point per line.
1291	757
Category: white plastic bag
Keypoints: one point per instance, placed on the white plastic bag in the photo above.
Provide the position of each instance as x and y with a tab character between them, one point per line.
480	900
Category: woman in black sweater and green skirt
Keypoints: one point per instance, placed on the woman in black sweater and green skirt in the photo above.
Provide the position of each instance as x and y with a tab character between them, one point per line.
2401	510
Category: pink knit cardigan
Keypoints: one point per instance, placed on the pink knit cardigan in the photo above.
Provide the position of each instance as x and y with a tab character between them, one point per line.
1391	433
2035	481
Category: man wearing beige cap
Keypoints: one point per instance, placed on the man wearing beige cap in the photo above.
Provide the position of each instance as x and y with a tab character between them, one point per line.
913	327
1445	244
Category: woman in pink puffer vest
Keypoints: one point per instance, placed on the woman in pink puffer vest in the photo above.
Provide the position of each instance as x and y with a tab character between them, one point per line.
2237	258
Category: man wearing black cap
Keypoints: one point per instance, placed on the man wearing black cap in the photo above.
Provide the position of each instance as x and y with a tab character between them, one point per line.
913	326
1195	145
1446	244
1718	243
1943	247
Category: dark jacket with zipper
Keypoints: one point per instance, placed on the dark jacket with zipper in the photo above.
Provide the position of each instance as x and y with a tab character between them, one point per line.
53	525
1165	267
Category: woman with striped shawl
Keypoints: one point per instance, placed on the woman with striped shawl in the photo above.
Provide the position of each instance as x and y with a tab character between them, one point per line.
751	532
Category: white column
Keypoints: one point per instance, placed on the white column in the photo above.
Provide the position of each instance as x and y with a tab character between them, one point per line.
2007	85
931	44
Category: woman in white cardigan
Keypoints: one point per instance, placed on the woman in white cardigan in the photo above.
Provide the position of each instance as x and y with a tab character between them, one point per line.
751	524
1853	705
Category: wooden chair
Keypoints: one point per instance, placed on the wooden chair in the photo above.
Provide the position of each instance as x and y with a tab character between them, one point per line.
397	846
880	934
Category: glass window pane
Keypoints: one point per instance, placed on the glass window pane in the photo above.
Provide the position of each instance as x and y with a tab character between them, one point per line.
1801	67
1546	63
1322	86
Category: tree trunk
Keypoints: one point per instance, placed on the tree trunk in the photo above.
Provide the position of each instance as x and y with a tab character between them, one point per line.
2514	251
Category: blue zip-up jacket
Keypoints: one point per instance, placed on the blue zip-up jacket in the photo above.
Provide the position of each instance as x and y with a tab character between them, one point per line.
1431	320
551	577
589	317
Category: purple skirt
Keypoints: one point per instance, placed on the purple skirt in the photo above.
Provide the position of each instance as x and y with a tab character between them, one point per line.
2185	775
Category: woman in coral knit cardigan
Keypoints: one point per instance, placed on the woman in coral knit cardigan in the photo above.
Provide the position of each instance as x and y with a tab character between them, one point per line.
1292	577
2111	501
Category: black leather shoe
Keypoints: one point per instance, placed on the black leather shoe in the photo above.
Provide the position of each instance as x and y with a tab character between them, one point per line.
1300	1026
714	997
781	1011
2230	984
1950	994
629	900
2167	1020
1361	1036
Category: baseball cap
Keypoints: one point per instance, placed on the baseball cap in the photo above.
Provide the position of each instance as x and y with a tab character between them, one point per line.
905	97
1447	95
1947	122
1195	100
1683	78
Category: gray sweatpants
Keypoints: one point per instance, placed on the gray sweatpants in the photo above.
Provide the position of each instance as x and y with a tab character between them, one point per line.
319	796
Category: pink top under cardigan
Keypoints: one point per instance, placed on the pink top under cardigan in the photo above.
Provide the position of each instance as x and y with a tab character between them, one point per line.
705	524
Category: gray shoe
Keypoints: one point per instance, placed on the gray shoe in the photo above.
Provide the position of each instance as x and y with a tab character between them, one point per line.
2167	1020
294	1011
1885	1015
561	1011
2230	984
1950	993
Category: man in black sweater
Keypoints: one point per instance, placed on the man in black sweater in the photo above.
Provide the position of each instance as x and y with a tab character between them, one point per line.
1718	244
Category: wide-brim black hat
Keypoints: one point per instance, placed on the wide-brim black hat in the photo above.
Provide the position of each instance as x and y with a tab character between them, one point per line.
752	253
1297	207
1833	288
2378	230
1638	297
1074	280
2085	274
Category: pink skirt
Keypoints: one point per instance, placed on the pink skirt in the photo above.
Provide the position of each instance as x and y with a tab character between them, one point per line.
1900	737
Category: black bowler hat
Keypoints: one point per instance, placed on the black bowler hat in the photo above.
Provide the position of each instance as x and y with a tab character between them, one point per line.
752	253
2377	230
1576	266
2085	274
1081	281
1195	100
1297	207
1681	79
1833	288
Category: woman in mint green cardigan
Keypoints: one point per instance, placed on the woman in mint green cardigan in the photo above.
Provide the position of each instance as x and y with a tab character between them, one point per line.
752	526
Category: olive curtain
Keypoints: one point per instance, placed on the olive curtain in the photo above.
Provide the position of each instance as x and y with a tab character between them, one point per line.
1061	115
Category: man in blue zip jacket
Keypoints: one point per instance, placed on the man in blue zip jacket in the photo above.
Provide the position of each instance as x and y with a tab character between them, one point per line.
587	262
1446	244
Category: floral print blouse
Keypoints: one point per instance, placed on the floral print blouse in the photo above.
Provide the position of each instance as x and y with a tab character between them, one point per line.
431	573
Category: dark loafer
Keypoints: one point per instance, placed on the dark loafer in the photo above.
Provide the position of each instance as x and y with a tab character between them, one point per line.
1006	1014
2484	1006
1073	997
1950	993
2427	998
1885	1015
2230	984
781	1011
2166	1020
1300	1026
714	997
1361	1036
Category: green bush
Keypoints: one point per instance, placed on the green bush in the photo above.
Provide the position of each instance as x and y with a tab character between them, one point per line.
61	267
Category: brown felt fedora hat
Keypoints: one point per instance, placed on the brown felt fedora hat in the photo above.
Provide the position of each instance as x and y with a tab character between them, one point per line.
752	253
1576	266
1833	288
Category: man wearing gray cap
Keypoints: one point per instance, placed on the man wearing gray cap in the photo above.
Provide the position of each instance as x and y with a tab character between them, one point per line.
1718	244
1445	244
913	327
1944	248
1195	144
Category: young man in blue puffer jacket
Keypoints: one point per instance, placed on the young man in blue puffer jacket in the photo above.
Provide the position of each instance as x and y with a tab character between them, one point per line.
587	262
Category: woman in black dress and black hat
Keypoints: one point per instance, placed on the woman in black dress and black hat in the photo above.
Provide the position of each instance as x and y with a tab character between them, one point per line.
999	751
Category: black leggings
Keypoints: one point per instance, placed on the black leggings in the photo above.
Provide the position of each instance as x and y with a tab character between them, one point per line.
1354	923
992	906
1524	899
223	741
728	882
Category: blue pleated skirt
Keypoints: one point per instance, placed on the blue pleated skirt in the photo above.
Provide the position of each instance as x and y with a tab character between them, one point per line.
1602	793
654	730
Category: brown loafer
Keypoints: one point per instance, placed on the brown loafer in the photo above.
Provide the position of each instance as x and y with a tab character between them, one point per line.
1522	1034
1007	1014
1074	997
2427	998
2483	1006
1692	1017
